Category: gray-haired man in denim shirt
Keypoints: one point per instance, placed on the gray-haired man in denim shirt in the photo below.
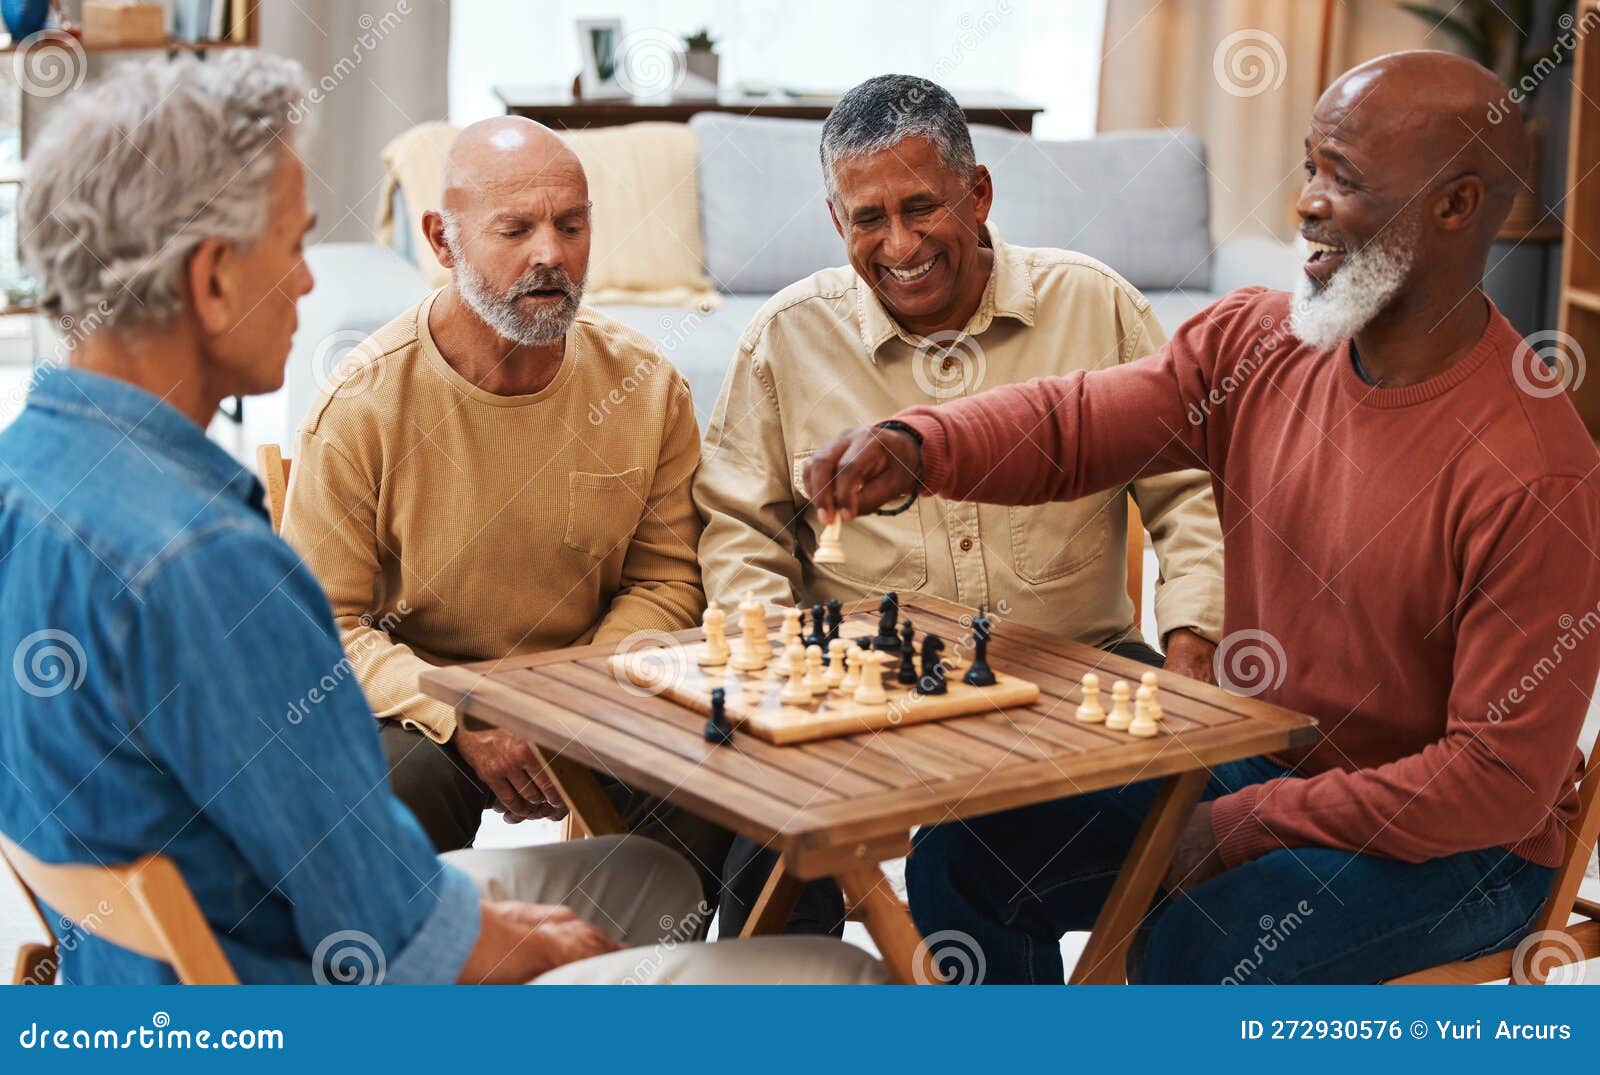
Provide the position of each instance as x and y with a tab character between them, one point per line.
177	683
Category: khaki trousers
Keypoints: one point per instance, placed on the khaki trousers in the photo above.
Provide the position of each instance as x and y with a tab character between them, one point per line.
650	899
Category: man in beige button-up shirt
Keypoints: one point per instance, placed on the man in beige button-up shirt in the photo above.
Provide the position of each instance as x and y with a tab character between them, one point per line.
934	306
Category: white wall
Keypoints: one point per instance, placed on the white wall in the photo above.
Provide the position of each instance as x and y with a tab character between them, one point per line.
1046	51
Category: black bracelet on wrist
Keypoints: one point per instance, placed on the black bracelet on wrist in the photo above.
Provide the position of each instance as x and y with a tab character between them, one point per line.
910	501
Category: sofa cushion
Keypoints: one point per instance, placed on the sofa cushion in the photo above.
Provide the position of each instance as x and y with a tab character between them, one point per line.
763	209
1136	200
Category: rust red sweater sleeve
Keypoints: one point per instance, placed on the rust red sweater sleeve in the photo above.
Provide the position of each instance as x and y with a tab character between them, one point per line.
1522	673
1060	438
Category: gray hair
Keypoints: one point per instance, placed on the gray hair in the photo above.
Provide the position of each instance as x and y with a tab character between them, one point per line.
130	175
883	111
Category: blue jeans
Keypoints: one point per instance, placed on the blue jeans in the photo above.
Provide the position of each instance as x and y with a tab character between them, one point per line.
1016	881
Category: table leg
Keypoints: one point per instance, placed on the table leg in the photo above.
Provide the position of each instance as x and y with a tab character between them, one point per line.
888	921
585	799
775	904
1104	959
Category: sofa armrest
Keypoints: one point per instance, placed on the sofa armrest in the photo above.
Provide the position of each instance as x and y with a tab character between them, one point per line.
1249	260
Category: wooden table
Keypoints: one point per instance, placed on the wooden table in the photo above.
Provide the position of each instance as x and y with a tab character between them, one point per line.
557	108
840	807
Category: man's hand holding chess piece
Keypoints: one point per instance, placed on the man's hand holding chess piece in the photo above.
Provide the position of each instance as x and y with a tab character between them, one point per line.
862	469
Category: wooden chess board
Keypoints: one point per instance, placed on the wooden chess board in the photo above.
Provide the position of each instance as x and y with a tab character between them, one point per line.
751	700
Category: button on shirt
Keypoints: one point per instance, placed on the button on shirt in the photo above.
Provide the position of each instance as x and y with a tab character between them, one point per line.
178	687
824	354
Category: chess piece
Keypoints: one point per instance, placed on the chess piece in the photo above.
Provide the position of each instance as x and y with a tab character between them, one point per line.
1090	712
717	651
837	648
932	679
888	616
835	618
980	674
870	691
1121	711
795	692
814	681
717	729
754	649
1150	680
852	674
819	631
1144	713
829	550
791	629
907	675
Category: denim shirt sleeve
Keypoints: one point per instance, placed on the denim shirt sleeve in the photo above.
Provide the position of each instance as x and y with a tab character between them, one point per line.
245	696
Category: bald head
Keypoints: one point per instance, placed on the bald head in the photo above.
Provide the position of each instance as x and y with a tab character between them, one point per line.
513	228
1427	117
494	157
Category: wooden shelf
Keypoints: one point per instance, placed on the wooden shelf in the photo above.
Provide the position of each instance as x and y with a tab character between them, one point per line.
1586	297
170	45
1580	264
25	310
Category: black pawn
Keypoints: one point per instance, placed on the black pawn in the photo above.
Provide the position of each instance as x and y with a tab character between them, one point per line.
718	730
932	679
907	676
980	674
888	618
835	619
819	632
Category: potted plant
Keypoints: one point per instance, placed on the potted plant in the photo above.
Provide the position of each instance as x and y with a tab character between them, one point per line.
1503	36
700	57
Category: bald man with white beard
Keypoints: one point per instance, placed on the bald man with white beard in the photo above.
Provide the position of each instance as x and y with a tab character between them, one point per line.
458	501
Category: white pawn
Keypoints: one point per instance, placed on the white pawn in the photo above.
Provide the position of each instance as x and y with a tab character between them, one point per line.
852	665
1121	711
1149	680
1146	714
795	692
834	676
870	691
1090	711
829	551
814	681
791	626
717	649
754	650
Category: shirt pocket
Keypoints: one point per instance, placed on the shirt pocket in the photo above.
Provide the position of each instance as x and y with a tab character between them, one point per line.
603	510
1051	541
880	551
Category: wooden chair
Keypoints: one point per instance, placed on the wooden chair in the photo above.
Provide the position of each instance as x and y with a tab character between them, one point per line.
144	907
1532	963
1136	561
273	469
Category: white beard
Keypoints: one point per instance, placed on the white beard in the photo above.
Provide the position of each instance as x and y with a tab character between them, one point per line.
501	313
1361	288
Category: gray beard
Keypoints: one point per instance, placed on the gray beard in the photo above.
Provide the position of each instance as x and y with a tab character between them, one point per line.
500	310
1325	317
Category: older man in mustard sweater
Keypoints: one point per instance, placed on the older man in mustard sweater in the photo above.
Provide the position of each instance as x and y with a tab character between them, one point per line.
458	502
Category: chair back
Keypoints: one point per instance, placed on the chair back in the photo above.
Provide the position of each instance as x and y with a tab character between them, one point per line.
273	469
144	907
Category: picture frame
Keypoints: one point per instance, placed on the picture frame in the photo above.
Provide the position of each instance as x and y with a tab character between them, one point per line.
599	42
